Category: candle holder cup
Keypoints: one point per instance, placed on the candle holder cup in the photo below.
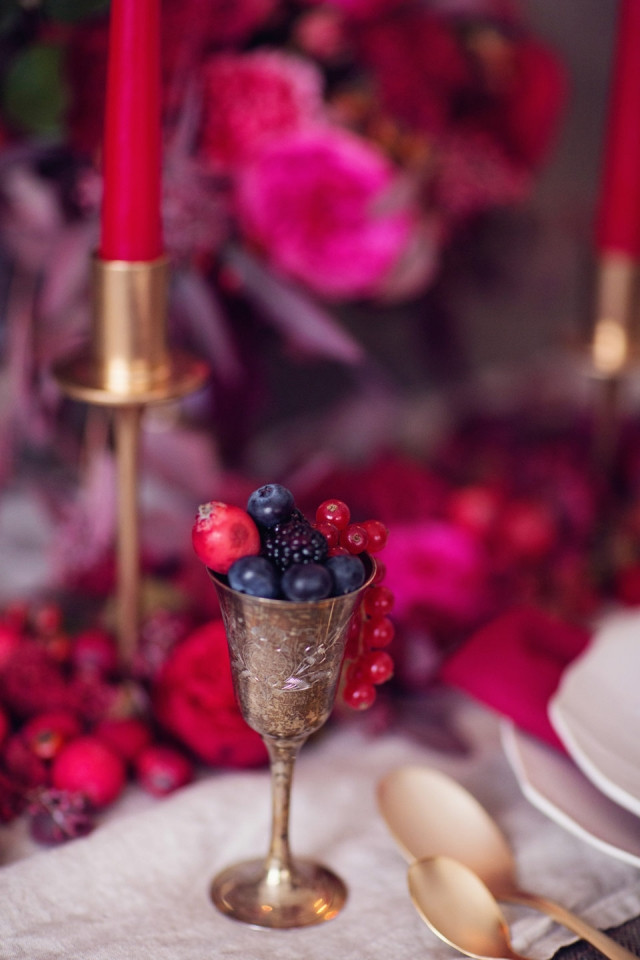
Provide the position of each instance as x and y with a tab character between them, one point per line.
285	661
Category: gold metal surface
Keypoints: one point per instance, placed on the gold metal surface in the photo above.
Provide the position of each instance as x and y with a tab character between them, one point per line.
430	814
285	660
128	360
459	908
127	440
127	366
615	309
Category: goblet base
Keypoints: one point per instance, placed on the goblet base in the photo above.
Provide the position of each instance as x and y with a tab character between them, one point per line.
307	894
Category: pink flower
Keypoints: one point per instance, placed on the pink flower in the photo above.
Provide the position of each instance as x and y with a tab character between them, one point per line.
438	570
252	98
320	205
514	664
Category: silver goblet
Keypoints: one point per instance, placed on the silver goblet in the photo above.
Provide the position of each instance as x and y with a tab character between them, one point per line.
285	661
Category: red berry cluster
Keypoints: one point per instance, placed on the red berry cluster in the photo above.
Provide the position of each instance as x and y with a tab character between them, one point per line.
366	663
72	729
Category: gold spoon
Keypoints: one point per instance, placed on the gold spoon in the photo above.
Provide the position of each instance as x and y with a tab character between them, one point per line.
459	908
429	814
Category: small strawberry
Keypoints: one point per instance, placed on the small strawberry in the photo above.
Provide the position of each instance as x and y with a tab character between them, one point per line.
46	733
223	533
161	769
126	736
88	766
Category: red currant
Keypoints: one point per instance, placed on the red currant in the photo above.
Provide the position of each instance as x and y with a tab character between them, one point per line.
377	535
359	694
338	551
354	538
378	632
333	511
376	667
378	601
330	532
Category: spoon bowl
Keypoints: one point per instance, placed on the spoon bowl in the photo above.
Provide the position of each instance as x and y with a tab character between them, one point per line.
459	908
430	814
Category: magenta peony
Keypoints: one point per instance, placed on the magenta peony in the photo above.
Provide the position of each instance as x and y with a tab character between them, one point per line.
251	98
439	571
321	206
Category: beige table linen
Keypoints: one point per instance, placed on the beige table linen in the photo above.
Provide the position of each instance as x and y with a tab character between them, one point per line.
137	888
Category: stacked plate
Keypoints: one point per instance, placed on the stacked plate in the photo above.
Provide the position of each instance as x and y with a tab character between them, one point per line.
594	791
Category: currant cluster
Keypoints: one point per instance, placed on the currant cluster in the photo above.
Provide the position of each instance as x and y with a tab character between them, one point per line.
73	731
366	663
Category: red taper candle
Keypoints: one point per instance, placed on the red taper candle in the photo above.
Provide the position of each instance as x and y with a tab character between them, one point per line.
131	226
618	217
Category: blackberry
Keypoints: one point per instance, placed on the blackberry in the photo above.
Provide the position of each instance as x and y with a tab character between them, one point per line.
295	541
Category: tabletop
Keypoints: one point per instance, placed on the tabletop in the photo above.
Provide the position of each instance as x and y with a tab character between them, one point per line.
137	887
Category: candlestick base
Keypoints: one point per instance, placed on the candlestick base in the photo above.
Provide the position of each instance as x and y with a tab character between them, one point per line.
82	378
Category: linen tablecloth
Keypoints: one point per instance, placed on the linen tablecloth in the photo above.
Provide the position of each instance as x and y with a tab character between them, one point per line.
137	887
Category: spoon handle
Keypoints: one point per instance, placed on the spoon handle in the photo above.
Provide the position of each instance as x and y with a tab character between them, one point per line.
601	941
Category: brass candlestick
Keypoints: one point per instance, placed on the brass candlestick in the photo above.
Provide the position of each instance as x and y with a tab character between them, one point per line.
613	349
126	367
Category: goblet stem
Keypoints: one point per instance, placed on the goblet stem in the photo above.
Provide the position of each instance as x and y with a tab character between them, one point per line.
282	757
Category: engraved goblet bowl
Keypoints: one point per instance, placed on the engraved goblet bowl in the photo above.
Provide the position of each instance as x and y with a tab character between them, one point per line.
285	661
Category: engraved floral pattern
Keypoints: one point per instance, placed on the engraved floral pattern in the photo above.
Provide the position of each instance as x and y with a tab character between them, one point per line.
282	660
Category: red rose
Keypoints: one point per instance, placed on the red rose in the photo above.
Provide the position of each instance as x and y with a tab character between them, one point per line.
194	700
418	64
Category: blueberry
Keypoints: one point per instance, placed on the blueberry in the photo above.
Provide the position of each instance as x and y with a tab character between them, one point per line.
270	504
303	582
348	573
256	576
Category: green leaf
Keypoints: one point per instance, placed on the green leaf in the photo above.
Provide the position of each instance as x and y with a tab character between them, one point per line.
70	11
34	94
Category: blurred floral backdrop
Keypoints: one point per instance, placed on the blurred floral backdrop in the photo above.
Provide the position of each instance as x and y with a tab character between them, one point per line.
325	164
320	160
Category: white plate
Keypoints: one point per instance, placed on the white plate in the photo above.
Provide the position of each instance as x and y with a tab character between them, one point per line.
553	784
596	710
